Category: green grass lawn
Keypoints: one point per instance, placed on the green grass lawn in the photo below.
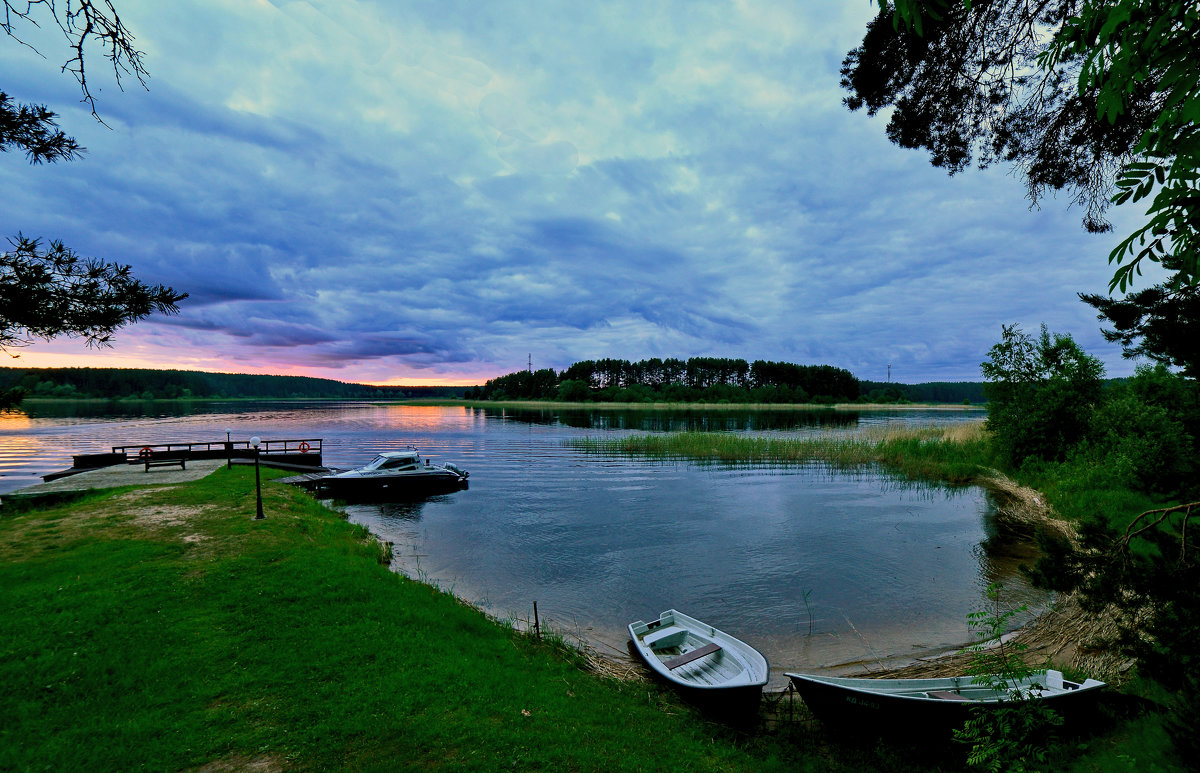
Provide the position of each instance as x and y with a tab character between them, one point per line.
165	629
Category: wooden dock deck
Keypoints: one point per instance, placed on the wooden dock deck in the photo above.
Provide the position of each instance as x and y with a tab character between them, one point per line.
307	478
114	476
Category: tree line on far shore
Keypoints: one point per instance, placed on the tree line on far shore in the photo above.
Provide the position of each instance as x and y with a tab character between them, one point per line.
153	384
697	379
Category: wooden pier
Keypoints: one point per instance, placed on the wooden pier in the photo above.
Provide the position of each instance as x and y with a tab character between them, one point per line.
138	463
299	453
306	448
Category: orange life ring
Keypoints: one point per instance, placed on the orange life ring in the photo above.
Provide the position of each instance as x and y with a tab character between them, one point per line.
304	448
146	452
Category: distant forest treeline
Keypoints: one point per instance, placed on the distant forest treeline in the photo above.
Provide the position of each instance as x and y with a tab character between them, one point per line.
148	384
699	379
932	392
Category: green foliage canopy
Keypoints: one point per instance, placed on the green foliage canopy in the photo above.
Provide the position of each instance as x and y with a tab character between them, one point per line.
1098	97
1160	322
32	129
1140	55
47	292
145	383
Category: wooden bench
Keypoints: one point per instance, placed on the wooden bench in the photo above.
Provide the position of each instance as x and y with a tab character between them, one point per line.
165	461
688	657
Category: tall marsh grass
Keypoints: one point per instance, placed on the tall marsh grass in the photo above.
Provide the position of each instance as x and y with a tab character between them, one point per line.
957	454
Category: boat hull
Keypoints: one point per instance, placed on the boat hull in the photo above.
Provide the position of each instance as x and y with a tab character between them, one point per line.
862	704
388	488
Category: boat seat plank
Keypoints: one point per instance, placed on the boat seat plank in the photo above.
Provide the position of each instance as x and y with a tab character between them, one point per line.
695	654
671	631
946	695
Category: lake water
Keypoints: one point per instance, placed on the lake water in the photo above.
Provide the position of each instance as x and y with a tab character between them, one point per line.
818	569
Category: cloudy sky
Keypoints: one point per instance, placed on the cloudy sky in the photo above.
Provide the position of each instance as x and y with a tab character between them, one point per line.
431	192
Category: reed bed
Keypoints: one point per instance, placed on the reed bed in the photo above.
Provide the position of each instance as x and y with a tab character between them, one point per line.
956	454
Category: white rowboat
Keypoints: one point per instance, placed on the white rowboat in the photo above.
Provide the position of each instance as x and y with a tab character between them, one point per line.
696	656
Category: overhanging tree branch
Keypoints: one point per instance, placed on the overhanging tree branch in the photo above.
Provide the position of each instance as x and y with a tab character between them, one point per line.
81	22
1098	97
32	128
48	292
1163	514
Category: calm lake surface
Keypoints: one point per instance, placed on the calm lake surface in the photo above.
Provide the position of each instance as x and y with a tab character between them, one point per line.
819	570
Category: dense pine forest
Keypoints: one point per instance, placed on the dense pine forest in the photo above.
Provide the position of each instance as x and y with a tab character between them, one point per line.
929	392
713	379
148	384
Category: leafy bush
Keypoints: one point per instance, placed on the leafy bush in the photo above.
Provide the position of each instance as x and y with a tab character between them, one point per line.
1141	444
574	391
1041	394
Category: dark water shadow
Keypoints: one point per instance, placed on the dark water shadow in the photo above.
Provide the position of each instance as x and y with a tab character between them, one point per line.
711	419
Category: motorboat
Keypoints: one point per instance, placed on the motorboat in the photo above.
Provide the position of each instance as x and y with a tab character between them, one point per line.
392	473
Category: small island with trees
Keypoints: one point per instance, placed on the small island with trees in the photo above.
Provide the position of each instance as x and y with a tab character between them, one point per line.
713	380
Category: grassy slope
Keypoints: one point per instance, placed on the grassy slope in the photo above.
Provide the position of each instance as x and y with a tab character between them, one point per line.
168	629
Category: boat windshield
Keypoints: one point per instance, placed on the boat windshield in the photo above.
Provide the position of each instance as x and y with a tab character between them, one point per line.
405	462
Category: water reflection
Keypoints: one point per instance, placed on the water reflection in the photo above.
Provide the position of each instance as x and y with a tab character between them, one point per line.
369	513
679	420
59	409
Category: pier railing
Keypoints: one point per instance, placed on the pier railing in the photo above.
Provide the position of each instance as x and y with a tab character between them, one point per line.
239	448
297	452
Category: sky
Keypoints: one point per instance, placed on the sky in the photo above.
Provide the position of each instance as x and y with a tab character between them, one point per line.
440	192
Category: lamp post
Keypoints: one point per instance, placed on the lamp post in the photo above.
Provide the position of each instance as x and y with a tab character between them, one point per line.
228	451
254	443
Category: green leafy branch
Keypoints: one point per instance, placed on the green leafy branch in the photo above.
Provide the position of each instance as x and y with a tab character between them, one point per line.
1013	736
1126	48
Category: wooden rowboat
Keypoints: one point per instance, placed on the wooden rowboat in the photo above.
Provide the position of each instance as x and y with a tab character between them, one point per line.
932	704
699	658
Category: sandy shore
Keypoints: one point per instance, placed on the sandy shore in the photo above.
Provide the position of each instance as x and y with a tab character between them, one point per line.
1066	636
